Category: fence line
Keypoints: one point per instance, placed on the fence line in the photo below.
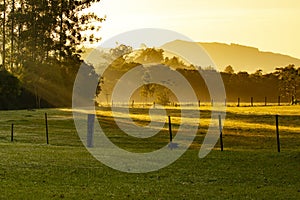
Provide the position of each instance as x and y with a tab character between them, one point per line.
90	130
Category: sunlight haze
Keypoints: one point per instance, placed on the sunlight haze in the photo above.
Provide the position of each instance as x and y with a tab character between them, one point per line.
270	25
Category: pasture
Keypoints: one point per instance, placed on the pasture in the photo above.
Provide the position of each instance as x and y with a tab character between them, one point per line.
249	167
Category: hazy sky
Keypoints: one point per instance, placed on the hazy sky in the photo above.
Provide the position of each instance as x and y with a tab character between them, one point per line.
270	25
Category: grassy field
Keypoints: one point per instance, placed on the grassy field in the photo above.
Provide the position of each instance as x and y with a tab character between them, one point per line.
249	168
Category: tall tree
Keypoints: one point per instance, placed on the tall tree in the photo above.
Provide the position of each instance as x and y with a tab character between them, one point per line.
147	91
4	34
12	33
289	81
48	35
56	27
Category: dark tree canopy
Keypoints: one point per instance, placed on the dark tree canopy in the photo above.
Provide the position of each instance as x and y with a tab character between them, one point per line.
229	69
9	90
150	55
289	78
43	43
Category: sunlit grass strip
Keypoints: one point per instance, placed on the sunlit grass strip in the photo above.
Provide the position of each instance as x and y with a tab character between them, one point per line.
232	124
229	123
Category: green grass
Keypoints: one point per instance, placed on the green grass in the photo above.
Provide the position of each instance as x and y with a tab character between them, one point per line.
249	168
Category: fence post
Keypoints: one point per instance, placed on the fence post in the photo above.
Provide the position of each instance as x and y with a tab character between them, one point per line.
12	133
221	134
277	134
265	101
46	123
238	105
170	129
199	103
90	130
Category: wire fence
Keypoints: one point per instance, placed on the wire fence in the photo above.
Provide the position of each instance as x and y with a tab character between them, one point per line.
241	130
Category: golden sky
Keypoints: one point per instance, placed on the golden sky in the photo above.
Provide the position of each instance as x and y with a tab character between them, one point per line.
270	25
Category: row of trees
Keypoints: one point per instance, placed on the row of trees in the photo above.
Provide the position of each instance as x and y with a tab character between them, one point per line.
284	81
42	41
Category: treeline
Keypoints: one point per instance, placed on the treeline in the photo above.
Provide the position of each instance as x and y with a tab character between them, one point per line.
283	82
40	51
239	85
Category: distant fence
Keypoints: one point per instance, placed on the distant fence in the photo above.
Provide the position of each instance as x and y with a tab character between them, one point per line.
238	102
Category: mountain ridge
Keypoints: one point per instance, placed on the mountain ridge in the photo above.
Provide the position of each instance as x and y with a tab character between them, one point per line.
240	57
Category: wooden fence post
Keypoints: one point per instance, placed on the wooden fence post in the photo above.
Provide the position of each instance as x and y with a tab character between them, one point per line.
277	134
46	123
90	130
170	129
12	133
221	133
265	101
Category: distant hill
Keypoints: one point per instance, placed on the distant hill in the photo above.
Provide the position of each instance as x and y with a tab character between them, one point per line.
241	58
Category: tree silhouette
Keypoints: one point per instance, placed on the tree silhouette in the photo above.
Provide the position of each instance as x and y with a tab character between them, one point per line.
120	50
289	78
147	91
150	55
229	69
9	90
163	96
174	62
3	9
45	39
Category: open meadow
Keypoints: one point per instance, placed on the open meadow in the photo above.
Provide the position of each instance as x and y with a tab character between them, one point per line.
249	167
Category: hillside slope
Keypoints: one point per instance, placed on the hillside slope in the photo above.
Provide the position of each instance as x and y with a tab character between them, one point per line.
241	58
